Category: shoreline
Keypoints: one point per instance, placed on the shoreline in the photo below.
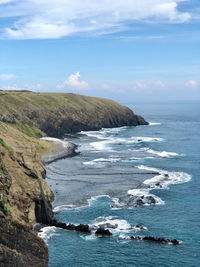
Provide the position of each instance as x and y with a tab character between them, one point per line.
63	150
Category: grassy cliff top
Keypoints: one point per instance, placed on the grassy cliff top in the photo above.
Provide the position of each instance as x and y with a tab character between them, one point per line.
59	113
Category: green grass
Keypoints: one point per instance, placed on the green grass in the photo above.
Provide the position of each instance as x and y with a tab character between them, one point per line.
30	111
5	207
30	131
3	144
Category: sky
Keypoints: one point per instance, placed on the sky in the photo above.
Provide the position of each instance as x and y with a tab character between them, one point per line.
127	50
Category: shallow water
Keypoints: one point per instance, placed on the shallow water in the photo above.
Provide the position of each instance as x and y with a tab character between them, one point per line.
124	166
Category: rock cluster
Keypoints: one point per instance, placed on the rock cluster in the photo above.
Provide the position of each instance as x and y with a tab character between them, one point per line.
103	232
157	240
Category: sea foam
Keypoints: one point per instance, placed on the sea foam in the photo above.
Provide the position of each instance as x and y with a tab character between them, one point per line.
154	123
110	143
47	232
160	154
165	178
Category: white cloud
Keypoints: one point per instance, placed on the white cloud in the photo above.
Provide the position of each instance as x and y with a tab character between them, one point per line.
5	1
105	86
41	19
15	87
6	77
142	85
168	9
149	84
74	82
140	37
191	83
159	84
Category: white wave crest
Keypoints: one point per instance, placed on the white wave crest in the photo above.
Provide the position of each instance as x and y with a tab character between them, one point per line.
47	232
144	195
161	154
95	134
149	139
112	160
113	130
102	145
113	224
165	178
154	123
63	207
164	154
110	142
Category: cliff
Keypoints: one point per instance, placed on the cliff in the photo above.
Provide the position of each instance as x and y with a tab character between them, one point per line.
25	197
21	174
57	114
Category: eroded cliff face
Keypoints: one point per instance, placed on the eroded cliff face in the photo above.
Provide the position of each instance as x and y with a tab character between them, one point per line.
21	179
20	245
58	114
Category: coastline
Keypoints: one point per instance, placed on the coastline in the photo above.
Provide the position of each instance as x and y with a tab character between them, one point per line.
63	150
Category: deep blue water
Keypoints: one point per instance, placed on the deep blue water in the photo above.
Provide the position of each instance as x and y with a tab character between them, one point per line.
125	149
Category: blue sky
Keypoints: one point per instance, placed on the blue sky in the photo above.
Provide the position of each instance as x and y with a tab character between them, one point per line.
128	50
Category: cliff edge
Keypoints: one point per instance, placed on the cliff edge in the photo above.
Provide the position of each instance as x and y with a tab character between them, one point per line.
57	114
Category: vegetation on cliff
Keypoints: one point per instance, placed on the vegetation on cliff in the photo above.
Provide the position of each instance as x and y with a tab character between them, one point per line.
25	197
21	173
57	114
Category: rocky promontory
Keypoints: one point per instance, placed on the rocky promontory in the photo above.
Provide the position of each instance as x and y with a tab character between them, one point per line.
25	198
57	114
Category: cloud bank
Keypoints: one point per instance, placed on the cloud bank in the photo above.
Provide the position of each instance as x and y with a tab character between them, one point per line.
191	83
6	77
73	82
43	19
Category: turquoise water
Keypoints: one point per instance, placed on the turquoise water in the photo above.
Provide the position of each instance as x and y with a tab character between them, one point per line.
172	148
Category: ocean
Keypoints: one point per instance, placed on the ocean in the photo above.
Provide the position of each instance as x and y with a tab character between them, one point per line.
130	176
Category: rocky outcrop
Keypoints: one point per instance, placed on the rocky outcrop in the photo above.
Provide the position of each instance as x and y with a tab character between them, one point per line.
103	232
156	240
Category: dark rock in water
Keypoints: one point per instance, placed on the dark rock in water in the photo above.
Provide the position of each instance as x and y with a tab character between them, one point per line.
103	232
141	227
139	202
59	224
150	200
166	175
70	227
175	242
158	185
83	228
155	239
136	238
130	201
